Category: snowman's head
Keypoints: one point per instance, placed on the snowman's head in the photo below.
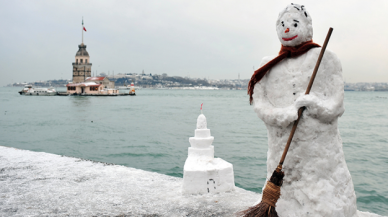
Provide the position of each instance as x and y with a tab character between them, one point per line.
294	25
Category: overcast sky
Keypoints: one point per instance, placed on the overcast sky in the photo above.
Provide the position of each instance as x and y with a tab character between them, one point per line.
216	39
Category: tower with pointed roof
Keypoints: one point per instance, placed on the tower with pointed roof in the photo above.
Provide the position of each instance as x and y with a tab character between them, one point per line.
82	68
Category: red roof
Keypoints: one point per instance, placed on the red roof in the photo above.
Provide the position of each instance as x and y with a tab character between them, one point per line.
95	78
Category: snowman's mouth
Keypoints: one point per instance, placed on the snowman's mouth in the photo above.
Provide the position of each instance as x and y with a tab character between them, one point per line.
289	39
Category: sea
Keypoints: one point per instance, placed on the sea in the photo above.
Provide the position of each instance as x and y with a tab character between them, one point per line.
150	131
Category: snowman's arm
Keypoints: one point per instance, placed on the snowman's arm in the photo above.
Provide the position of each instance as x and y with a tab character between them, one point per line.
325	102
271	115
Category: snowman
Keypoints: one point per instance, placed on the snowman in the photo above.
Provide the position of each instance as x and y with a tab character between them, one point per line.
317	181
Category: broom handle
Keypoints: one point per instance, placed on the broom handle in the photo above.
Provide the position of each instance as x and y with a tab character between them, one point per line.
300	111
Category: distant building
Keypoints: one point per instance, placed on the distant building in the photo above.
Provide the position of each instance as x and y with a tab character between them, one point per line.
81	67
84	88
92	85
83	83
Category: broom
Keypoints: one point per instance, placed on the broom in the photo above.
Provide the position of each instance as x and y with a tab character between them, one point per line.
271	193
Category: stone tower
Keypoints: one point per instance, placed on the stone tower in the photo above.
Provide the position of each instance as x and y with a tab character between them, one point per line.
81	67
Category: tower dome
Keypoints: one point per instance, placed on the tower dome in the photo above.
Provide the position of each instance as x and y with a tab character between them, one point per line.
82	50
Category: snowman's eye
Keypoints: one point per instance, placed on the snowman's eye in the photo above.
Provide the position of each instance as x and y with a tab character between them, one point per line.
295	24
282	23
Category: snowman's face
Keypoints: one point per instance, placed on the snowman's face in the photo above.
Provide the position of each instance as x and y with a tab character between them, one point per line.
293	29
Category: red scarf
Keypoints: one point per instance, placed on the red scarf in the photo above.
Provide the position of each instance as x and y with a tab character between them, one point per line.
284	52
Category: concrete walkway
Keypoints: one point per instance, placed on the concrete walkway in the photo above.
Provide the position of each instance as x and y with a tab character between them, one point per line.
42	184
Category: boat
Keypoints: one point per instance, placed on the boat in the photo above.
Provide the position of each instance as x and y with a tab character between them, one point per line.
28	90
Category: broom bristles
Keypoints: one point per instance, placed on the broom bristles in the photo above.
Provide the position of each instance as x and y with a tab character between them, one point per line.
261	209
265	208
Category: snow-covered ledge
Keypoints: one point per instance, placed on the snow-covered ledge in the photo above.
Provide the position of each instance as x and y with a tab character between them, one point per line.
40	184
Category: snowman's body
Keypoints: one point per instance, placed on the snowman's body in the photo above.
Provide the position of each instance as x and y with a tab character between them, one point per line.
317	181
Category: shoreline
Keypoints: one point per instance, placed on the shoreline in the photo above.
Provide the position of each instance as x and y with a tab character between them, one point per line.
38	183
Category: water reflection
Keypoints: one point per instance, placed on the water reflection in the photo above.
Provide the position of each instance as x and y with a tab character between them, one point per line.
80	101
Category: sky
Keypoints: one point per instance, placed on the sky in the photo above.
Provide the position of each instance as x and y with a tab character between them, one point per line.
213	39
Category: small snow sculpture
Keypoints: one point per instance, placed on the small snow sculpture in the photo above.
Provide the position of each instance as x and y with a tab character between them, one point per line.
201	123
317	181
202	172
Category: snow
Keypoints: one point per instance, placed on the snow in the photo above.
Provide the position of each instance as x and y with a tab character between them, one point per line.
296	18
202	173
201	122
42	184
317	181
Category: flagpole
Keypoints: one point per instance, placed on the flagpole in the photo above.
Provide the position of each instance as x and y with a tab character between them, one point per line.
82	30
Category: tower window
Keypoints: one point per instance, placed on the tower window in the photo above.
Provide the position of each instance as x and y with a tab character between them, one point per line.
76	61
86	60
81	60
